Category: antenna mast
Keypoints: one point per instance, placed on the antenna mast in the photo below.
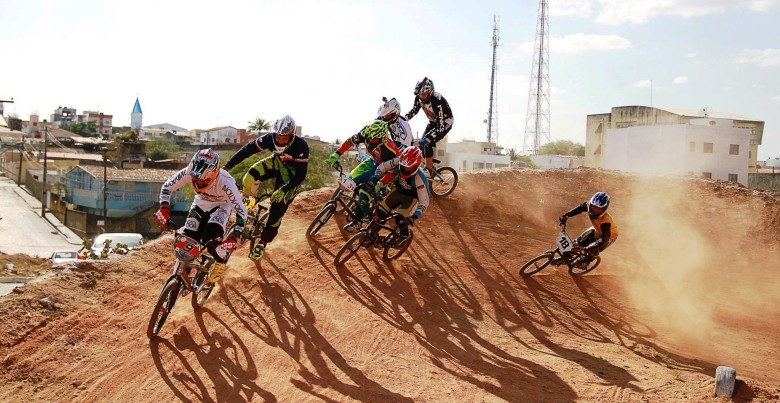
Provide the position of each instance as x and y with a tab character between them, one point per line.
492	120
537	118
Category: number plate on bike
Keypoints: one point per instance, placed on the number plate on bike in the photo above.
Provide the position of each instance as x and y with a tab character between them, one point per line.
347	184
186	248
564	242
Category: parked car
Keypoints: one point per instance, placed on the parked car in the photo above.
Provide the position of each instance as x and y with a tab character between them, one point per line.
128	239
61	257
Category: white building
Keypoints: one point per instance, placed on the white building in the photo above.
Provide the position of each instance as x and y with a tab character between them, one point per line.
217	135
470	155
708	147
548	161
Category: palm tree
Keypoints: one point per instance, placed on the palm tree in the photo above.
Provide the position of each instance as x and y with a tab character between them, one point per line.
512	154
258	125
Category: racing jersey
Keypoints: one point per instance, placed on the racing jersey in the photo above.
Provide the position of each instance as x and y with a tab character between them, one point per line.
401	132
296	157
438	111
603	225
384	151
223	191
415	186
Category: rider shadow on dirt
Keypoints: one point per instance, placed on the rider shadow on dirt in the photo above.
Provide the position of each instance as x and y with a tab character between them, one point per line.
419	302
292	328
220	358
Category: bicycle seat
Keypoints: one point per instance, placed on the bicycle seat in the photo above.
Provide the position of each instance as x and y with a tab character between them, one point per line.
436	161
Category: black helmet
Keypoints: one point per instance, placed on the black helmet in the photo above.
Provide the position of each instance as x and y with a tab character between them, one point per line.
424	86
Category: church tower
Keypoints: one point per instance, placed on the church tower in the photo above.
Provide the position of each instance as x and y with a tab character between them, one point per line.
136	118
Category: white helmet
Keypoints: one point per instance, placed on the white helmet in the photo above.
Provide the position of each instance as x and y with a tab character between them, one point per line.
389	111
283	133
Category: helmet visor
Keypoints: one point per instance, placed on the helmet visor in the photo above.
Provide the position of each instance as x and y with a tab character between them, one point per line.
282	139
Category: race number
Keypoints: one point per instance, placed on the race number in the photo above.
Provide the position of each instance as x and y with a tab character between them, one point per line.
564	242
347	184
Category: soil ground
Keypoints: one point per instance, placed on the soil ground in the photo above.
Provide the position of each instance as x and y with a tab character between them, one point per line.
693	282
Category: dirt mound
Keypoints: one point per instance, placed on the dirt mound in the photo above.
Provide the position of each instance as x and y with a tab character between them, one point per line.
692	283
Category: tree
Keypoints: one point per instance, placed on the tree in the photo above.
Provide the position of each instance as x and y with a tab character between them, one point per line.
130	136
563	147
258	125
14	123
512	153
84	129
160	149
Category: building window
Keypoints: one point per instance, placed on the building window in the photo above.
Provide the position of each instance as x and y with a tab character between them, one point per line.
489	165
708	148
733	177
464	165
734	149
692	146
707	175
478	165
750	154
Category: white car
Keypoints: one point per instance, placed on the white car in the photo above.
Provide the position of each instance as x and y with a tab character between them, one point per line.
61	257
131	240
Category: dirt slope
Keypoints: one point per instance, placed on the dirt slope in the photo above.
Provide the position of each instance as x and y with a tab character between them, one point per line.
692	283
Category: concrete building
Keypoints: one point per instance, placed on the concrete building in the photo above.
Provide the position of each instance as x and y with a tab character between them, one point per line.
470	155
548	161
640	139
63	115
216	135
103	121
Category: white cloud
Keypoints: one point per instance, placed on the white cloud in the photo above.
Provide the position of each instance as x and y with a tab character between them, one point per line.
572	8
776	98
762	57
582	43
615	12
643	84
692	55
680	80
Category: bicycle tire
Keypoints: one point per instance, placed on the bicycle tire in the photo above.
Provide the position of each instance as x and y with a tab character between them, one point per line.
444	182
202	290
397	250
575	269
322	218
532	268
163	307
350	248
257	229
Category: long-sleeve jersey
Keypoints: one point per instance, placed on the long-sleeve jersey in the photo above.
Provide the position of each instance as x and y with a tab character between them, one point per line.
381	152
416	186
438	111
296	157
605	227
223	191
401	132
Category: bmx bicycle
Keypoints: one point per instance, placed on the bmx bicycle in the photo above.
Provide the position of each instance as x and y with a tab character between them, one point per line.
190	254
566	252
344	199
394	243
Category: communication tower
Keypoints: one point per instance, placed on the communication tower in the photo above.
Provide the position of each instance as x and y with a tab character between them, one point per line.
537	119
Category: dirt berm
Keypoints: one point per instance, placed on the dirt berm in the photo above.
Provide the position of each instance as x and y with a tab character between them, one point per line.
693	282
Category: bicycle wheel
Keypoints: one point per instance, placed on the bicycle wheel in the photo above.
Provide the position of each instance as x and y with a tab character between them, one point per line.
579	267
164	305
444	182
322	218
536	264
257	229
202	289
351	247
396	245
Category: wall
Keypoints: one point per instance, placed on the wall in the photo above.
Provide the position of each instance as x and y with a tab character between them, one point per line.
765	181
465	162
556	161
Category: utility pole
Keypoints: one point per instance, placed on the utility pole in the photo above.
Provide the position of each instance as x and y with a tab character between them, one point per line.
105	187
21	158
45	145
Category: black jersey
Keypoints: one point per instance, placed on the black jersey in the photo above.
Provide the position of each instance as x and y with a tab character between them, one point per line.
436	109
296	156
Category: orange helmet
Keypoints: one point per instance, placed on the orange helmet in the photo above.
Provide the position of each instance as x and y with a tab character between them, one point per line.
408	162
204	169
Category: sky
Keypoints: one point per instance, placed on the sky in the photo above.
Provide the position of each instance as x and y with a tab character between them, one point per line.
328	63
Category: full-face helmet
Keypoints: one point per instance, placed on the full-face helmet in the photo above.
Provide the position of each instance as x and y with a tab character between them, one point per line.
375	132
409	161
284	133
389	111
204	168
597	205
424	88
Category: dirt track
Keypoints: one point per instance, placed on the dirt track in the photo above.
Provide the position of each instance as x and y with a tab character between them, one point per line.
692	283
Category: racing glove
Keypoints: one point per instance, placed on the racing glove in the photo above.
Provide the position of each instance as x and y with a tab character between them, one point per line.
562	219
163	215
333	159
423	142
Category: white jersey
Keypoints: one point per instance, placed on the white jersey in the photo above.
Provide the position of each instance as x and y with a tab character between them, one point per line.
223	193
401	132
